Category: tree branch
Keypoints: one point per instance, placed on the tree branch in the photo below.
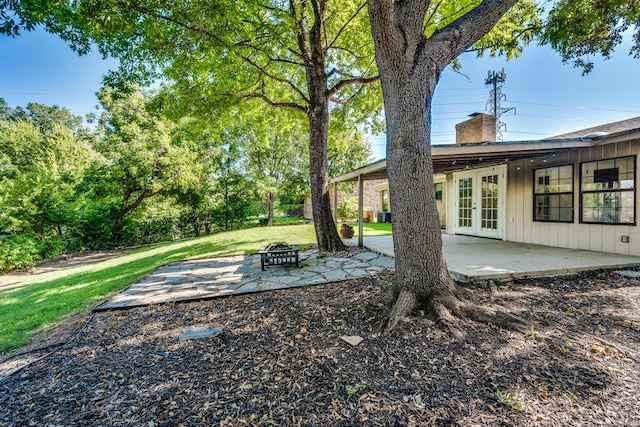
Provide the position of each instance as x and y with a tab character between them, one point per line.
148	12
265	98
456	37
354	81
335	39
348	100
264	72
301	25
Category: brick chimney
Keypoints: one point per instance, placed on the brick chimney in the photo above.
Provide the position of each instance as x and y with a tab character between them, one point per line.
479	128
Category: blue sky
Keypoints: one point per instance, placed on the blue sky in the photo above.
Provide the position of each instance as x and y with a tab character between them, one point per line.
550	98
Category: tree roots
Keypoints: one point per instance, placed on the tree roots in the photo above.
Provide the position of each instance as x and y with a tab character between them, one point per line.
449	310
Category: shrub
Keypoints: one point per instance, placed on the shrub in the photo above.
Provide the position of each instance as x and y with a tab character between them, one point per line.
348	209
50	246
21	251
18	252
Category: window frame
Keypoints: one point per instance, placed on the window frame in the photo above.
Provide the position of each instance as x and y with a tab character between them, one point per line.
438	192
632	190
571	193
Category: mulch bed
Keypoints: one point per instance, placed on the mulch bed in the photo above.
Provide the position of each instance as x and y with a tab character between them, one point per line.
280	361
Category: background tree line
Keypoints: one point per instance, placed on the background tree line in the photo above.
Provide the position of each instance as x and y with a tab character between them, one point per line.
140	173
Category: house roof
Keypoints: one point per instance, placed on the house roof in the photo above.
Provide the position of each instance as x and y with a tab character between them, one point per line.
453	157
606	129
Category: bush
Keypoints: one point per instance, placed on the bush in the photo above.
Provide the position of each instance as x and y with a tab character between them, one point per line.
50	246
18	252
21	251
348	209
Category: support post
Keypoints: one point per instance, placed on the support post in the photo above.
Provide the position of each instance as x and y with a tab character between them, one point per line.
335	203
360	211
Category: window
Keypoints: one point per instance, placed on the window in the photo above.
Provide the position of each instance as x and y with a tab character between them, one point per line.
607	191
438	187
553	194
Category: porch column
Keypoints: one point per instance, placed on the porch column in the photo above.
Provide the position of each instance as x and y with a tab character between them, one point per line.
360	211
335	203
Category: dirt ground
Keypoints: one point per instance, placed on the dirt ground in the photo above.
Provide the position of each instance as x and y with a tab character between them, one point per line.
280	361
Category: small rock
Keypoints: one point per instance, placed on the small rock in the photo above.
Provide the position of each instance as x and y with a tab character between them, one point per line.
354	340
303	330
299	336
196	334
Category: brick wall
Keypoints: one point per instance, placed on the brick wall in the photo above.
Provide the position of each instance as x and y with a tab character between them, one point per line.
480	128
372	199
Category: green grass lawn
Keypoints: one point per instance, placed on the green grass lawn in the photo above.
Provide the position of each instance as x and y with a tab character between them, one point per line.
373	228
30	304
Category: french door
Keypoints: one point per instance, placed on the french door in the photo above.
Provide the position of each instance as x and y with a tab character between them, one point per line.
479	202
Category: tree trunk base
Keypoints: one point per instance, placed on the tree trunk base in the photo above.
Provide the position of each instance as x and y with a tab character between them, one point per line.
449	309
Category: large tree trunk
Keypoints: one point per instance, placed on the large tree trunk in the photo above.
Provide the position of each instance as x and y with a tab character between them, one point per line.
421	270
410	66
318	114
326	231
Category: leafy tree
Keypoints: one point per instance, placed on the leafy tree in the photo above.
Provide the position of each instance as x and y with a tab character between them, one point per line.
38	172
142	155
296	54
233	194
275	146
348	148
414	41
580	28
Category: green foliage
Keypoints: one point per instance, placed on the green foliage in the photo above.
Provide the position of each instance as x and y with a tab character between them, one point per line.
274	147
347	147
384	282
352	390
51	246
509	399
291	55
142	155
348	209
580	28
21	251
516	29
17	252
39	169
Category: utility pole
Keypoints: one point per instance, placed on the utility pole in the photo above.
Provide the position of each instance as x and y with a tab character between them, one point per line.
496	95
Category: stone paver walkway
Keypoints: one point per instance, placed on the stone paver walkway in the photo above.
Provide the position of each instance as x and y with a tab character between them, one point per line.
208	278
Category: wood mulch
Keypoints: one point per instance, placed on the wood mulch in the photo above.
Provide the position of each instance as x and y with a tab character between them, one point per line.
280	361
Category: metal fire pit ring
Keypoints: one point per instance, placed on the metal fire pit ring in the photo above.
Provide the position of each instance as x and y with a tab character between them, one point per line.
279	253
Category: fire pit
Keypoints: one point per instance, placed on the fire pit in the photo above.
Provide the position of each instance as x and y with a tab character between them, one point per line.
278	253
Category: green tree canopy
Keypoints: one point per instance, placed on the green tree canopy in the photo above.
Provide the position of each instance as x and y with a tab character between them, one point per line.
142	154
296	54
578	29
38	173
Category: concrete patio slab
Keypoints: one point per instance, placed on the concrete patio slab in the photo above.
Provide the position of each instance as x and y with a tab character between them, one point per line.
475	258
468	258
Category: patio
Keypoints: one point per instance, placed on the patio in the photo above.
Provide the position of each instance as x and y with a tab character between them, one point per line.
476	258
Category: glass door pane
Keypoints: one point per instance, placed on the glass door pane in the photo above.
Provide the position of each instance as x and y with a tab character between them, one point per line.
465	203
489	203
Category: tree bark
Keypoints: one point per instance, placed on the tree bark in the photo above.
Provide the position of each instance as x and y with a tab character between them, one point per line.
318	114
410	66
271	207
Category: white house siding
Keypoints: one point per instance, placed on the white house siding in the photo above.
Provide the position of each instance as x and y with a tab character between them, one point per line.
520	226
